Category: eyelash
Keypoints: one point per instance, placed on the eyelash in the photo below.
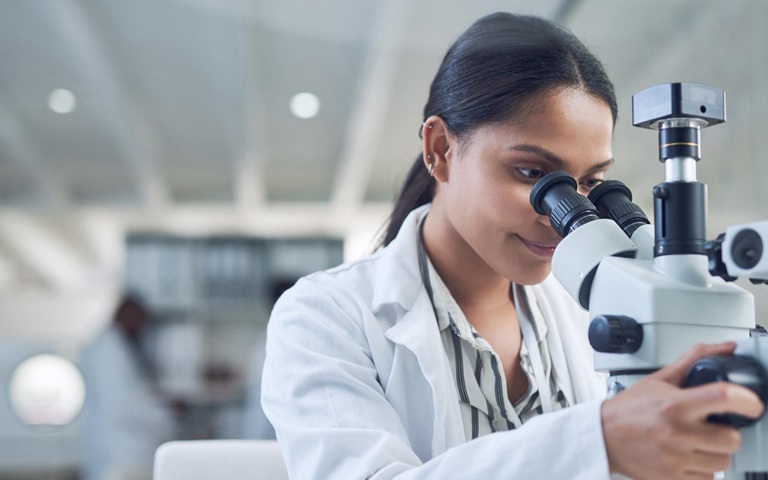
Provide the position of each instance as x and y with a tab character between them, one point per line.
597	181
523	171
540	173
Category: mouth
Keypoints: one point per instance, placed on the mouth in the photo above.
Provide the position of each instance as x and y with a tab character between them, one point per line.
542	249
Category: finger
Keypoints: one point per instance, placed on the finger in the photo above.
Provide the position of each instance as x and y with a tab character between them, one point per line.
697	476
675	372
719	397
717	439
708	463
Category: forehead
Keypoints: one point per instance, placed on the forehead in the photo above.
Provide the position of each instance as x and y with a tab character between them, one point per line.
570	123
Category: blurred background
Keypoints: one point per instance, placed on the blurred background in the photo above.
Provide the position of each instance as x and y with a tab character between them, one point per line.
169	167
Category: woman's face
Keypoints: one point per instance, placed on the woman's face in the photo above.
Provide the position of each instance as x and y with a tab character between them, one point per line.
490	177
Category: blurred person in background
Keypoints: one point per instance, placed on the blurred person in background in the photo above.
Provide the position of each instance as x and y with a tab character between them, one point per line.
126	419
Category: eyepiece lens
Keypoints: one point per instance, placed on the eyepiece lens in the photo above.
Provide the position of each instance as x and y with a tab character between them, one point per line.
555	195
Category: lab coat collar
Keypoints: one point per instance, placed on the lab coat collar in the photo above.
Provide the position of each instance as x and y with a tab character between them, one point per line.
397	276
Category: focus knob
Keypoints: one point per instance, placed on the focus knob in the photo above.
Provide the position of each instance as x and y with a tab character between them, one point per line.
615	334
739	369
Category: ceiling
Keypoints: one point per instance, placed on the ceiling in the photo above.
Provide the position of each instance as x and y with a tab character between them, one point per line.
182	123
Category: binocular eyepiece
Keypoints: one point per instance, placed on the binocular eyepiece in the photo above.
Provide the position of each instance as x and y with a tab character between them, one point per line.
556	196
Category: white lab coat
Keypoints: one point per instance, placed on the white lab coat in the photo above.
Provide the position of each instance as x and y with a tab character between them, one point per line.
358	386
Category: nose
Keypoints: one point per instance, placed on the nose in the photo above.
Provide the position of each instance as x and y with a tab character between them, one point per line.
544	220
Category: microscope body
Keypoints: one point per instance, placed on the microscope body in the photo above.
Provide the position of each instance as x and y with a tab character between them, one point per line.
675	313
655	291
674	298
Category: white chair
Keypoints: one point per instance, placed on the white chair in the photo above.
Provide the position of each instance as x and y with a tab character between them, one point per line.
220	459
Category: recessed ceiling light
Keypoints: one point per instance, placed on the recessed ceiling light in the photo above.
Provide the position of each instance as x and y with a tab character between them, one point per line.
305	105
62	101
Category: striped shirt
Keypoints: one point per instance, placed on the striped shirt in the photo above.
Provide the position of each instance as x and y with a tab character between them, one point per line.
480	381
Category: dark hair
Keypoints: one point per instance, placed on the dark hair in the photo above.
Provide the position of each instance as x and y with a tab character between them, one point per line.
499	66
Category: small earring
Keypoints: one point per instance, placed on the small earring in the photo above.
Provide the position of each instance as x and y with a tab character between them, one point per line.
431	169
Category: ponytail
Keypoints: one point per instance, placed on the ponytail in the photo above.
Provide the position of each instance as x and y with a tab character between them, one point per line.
418	189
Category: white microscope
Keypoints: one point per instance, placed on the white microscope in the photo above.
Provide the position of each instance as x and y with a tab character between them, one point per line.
654	291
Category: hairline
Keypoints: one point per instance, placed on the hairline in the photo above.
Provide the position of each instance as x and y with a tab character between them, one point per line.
522	112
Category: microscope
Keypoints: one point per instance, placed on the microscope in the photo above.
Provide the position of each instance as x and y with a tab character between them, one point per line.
654	291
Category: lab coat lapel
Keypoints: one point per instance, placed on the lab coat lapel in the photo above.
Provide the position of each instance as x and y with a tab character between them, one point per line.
417	332
554	343
398	282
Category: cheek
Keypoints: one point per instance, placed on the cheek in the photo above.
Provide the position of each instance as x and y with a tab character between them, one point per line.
493	206
486	198
508	203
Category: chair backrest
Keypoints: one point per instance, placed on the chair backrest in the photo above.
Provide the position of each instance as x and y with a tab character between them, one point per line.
220	459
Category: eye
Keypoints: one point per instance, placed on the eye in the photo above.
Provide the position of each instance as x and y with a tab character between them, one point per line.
531	173
591	183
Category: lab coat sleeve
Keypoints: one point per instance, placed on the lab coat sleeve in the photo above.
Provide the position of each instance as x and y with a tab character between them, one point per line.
333	420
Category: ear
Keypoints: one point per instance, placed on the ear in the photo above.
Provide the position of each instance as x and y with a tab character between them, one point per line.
438	147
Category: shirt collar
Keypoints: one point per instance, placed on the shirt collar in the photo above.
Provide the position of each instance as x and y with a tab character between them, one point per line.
449	313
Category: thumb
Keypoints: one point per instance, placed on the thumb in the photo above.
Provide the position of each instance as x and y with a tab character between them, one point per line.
674	373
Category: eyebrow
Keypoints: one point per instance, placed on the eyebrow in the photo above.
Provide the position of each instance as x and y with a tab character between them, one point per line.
552	158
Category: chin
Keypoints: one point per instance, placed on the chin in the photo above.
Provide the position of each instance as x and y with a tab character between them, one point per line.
532	276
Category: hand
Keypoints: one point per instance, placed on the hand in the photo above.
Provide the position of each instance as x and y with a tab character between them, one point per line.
655	429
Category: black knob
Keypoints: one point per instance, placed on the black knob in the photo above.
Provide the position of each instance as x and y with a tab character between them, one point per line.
742	370
714	249
615	334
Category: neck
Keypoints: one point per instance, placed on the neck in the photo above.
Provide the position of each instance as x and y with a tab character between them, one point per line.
472	283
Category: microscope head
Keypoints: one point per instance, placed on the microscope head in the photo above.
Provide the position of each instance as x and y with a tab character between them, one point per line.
587	238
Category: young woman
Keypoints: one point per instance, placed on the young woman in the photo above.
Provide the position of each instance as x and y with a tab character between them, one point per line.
451	352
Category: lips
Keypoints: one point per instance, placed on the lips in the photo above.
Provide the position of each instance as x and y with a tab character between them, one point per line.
540	249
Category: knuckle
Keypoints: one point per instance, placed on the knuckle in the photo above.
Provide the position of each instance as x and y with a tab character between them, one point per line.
722	391
667	414
734	440
671	410
700	349
667	437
